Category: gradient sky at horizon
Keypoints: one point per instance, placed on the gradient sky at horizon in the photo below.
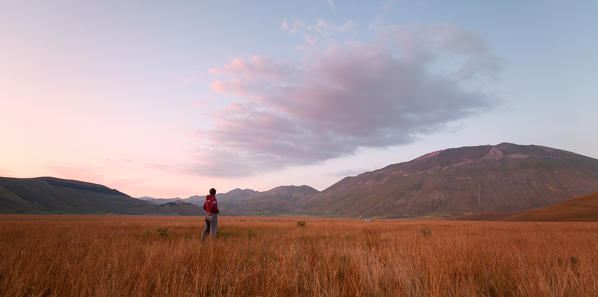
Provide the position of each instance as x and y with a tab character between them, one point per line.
171	98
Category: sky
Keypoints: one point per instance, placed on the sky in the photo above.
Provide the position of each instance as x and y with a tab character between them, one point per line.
171	98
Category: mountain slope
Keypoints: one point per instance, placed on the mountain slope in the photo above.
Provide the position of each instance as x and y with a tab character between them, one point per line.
233	195
502	178
279	200
53	195
236	195
241	202
580	209
178	208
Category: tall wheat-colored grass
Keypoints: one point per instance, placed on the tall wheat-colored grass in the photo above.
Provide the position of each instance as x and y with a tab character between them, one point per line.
127	256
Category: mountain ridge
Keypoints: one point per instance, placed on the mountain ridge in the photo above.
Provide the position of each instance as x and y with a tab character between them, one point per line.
457	181
279	200
488	179
67	196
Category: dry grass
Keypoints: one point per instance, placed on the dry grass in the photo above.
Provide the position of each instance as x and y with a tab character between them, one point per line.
580	209
126	256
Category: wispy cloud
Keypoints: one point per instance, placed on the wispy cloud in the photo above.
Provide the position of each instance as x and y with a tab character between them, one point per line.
318	35
343	98
331	4
320	27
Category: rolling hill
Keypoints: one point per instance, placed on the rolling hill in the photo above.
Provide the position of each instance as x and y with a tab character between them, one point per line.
61	196
492	179
580	209
236	195
178	208
160	200
283	200
233	195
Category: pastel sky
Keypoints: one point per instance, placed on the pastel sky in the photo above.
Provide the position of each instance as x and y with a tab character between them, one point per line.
171	98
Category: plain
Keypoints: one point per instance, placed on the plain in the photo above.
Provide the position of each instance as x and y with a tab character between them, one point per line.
63	255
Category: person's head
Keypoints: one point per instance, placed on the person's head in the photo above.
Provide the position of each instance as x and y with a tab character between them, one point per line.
212	191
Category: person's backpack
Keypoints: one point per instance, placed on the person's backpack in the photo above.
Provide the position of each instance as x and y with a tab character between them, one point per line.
211	205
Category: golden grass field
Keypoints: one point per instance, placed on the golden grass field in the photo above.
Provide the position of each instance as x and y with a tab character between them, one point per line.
44	255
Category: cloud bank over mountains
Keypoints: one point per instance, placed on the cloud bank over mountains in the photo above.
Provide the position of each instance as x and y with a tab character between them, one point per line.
331	102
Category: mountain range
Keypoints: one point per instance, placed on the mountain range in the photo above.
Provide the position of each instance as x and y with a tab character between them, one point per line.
501	179
281	200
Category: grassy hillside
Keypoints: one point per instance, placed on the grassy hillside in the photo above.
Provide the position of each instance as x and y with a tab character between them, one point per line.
580	209
60	196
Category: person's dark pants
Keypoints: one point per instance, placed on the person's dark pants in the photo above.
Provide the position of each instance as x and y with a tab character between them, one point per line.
211	227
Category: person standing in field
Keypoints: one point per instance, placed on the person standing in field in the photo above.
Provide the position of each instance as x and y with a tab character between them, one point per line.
211	208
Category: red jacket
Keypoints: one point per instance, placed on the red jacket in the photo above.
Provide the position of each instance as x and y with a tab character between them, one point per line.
211	205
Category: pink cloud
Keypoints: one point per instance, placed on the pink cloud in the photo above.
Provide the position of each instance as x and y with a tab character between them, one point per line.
254	67
284	26
344	98
219	86
310	40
